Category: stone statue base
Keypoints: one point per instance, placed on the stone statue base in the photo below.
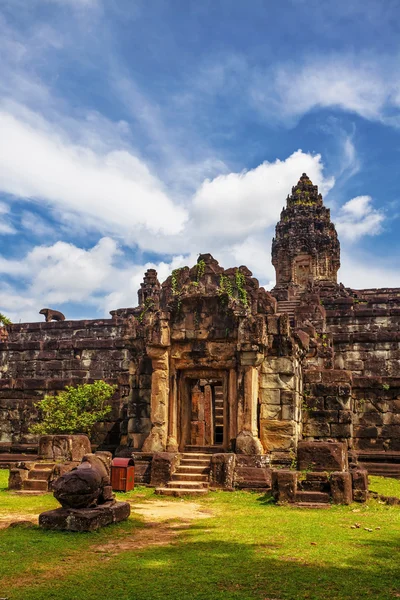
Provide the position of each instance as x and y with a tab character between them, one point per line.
85	519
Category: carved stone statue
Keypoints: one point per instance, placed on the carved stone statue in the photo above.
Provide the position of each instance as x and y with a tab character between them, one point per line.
87	485
86	497
52	315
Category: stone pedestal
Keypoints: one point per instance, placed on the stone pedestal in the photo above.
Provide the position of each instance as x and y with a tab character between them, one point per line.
85	519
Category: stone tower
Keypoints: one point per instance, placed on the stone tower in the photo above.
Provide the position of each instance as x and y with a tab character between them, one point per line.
306	248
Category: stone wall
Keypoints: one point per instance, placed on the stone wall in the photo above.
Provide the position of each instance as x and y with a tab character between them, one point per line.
280	399
366	339
42	358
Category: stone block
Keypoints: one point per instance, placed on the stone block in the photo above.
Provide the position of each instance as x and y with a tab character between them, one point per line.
270	412
252	477
64	447
341	430
274	381
284	485
341	487
277	435
84	519
222	470
247	443
17	477
360	484
162	467
316	429
283	366
270	396
322	456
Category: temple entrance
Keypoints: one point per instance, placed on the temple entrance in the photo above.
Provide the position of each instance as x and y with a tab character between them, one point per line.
202	412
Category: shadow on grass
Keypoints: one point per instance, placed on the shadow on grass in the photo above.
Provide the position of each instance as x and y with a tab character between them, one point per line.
216	569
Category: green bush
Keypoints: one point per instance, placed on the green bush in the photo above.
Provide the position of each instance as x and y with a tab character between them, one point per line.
75	409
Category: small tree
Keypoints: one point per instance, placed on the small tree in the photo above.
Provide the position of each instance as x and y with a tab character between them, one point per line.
75	409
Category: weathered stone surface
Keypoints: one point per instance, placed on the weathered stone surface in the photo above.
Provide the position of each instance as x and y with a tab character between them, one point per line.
284	485
322	456
162	467
222	470
341	487
246	443
85	519
64	447
17	476
277	435
360	484
86	486
252	472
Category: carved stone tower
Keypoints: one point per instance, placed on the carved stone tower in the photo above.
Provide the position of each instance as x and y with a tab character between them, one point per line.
306	248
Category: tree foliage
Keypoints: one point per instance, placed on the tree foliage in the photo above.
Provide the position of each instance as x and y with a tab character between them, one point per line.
75	409
4	320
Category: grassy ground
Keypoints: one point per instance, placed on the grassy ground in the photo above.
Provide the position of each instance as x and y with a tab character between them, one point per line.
248	549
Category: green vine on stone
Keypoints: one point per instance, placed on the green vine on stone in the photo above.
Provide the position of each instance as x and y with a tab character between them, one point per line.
225	286
236	289
201	266
148	303
242	292
176	291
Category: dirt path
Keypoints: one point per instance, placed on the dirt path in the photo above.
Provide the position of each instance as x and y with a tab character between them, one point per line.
164	521
7	520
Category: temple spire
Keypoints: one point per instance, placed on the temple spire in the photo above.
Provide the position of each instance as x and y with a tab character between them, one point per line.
306	248
304	192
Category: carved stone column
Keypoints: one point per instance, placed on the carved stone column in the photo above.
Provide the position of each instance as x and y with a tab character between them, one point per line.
247	442
157	438
172	442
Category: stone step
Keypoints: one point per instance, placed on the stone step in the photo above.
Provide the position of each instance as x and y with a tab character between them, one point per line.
312	497
35	485
191	469
44	465
203	449
309	505
40	474
179	475
196	455
382	469
178	492
313	486
194	463
192	485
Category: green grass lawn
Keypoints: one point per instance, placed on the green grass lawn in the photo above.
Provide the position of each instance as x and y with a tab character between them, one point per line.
248	549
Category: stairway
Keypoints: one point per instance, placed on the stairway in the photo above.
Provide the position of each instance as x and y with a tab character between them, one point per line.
38	479
191	477
288	306
313	491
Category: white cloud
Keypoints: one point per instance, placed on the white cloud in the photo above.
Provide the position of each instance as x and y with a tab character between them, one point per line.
63	273
357	218
356	84
116	190
364	271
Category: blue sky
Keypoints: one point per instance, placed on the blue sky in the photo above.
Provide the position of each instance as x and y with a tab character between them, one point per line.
138	134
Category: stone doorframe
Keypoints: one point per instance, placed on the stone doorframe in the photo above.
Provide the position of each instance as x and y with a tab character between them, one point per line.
182	401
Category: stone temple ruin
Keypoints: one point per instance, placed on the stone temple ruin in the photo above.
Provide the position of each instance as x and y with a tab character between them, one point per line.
220	380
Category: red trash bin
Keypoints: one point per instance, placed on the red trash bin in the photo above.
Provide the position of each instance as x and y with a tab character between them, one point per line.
123	474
